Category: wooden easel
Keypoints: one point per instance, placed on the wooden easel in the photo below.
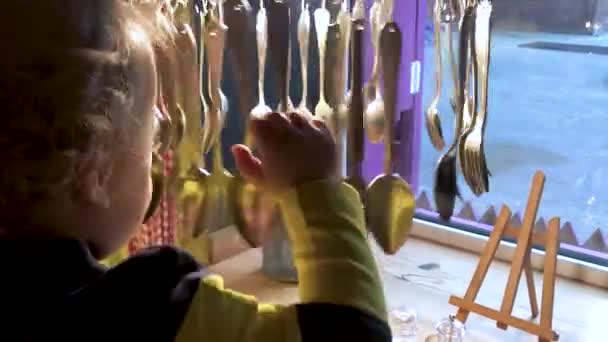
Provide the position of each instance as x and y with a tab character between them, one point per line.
526	238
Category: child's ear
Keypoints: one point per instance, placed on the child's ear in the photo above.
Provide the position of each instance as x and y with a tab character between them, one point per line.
93	177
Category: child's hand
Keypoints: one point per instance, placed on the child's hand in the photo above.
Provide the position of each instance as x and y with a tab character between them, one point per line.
292	149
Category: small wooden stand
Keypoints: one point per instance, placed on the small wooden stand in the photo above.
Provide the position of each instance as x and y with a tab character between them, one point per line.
526	238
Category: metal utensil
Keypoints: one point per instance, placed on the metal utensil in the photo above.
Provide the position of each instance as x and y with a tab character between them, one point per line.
240	21
261	29
345	22
200	13
322	19
445	189
191	187
475	161
162	140
189	151
220	180
335	88
303	40
278	41
369	90
448	18
215	41
356	144
433	119
390	202
358	10
244	195
374	111
290	108
219	9
277	257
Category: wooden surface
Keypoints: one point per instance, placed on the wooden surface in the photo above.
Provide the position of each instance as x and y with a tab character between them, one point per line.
579	314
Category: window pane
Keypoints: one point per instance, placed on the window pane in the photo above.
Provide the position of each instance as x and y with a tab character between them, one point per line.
547	94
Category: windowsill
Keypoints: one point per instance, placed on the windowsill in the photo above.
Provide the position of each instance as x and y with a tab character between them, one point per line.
227	243
578	314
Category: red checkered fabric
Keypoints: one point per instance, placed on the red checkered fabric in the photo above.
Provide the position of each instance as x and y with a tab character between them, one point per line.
160	228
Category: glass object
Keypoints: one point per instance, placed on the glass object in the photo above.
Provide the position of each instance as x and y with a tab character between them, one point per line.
403	324
277	262
545	112
450	330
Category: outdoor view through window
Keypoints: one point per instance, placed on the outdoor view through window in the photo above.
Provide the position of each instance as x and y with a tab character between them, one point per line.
548	91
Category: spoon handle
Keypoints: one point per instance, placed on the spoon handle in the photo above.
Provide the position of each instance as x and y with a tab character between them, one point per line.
438	52
239	19
333	64
215	37
190	149
482	54
345	20
261	29
322	19
278	41
359	10
304	39
355	134
390	52
463	71
374	18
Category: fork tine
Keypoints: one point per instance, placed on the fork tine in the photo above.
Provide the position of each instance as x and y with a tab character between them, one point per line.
432	127
437	126
480	169
476	162
471	164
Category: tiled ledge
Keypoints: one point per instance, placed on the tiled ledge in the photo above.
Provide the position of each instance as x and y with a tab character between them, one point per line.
596	245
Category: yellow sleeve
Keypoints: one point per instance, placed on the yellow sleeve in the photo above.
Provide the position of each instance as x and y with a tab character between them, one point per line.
116	258
221	315
325	223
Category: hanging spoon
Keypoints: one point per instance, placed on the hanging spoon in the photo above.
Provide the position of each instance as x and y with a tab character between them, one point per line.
344	20
215	40
188	158
278	43
335	87
247	206
369	90
358	12
225	106
322	20
220	179
355	120
189	151
303	40
374	112
240	21
433	119
162	136
261	29
390	202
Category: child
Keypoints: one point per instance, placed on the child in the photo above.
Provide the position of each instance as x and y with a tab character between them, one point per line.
78	91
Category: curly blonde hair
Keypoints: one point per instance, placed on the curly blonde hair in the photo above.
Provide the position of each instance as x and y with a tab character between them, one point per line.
66	88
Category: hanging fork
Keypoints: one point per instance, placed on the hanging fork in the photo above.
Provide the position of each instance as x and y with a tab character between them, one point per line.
475	161
433	119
